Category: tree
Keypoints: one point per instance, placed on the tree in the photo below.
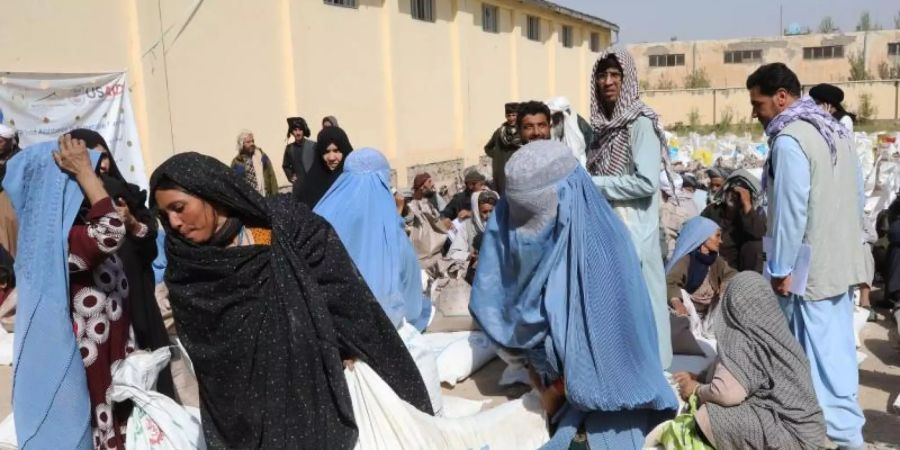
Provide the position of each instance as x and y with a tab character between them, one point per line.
888	72
866	24
897	21
858	71
697	79
665	84
827	25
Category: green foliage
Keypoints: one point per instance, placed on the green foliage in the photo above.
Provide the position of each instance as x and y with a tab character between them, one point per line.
827	25
888	72
697	79
866	23
867	109
665	84
858	71
725	120
694	118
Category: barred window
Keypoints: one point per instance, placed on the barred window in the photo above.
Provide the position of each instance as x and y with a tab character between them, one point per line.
490	21
534	28
422	10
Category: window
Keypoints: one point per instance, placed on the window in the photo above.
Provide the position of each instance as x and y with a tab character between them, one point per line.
344	3
566	36
595	42
827	52
894	49
422	10
743	56
667	60
489	19
534	28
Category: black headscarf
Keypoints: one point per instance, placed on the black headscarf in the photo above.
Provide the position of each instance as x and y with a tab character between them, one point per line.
267	326
320	179
137	255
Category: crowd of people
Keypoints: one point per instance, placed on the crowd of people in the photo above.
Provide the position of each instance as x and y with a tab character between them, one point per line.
580	253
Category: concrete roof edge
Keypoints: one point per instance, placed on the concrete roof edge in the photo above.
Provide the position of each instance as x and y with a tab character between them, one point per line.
545	4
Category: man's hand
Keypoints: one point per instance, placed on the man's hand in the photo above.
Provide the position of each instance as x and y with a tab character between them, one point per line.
782	286
463	214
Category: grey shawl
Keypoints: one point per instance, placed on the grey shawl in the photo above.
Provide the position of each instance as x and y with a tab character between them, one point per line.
756	346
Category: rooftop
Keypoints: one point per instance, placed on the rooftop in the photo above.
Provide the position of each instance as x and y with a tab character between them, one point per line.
569	12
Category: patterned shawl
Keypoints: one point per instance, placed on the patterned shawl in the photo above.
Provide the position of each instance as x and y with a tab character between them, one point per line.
610	154
806	109
756	346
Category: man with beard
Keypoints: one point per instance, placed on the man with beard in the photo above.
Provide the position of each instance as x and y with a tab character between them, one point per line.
569	128
9	143
737	211
300	154
533	121
814	202
428	233
504	142
460	206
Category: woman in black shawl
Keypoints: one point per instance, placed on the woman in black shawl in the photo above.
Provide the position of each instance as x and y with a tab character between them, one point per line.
137	255
268	304
332	149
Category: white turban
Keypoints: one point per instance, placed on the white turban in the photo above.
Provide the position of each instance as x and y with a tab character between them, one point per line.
571	135
6	131
666	186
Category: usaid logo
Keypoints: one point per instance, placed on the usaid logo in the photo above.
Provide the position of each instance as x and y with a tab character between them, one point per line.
79	94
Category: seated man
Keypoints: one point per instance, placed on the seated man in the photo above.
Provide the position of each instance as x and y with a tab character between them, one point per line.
462	245
559	280
737	211
460	206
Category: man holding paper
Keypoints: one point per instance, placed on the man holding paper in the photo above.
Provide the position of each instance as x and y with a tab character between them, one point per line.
813	236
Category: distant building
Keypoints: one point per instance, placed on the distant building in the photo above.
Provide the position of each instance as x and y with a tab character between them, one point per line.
422	80
816	58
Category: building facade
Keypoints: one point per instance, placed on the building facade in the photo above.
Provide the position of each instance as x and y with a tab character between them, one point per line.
816	58
421	80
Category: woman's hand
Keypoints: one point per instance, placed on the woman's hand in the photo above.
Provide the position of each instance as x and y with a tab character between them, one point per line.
687	384
72	156
131	223
348	363
678	306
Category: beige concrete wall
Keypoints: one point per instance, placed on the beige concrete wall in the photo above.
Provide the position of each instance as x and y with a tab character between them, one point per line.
712	104
710	56
421	92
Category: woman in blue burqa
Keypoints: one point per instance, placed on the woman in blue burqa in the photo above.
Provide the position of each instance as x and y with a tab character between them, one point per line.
558	282
362	210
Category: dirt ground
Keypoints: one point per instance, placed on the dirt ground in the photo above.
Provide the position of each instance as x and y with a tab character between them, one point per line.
879	384
879	379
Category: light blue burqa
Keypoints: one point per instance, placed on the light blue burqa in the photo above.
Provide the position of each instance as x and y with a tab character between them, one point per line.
361	208
50	393
558	278
693	234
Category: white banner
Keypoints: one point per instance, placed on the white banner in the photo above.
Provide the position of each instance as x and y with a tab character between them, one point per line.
42	106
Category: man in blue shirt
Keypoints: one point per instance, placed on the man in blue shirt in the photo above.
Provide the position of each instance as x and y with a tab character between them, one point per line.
814	230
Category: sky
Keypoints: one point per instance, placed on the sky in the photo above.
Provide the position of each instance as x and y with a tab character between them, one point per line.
660	20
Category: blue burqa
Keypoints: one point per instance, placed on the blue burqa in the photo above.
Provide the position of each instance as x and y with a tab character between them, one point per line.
50	393
693	234
361	208
558	278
